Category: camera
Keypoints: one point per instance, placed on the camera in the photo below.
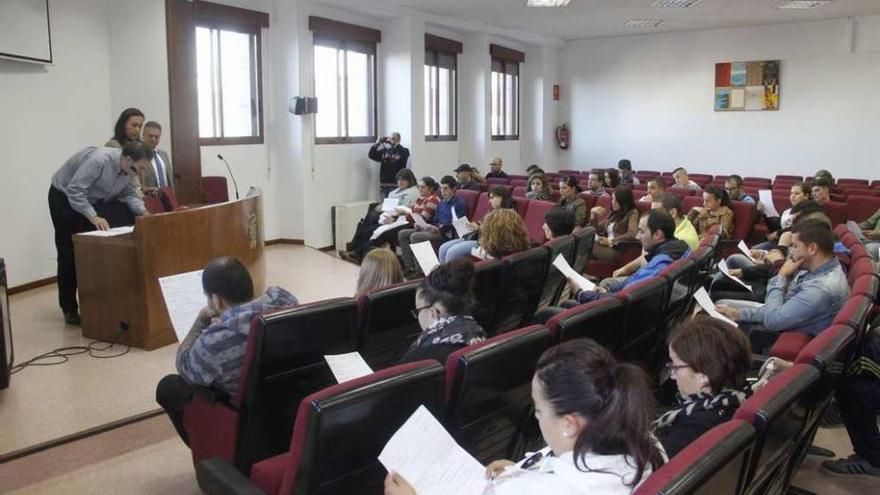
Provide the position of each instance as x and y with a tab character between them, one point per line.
386	139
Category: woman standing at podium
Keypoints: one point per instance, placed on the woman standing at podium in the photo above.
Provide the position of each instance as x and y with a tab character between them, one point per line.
94	189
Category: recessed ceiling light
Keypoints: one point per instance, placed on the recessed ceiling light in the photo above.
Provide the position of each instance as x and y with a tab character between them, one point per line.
643	22
547	3
674	4
802	4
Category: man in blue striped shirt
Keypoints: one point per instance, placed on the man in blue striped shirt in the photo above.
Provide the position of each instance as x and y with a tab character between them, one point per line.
212	354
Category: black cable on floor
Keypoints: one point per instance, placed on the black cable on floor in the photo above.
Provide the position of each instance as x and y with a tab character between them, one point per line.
62	355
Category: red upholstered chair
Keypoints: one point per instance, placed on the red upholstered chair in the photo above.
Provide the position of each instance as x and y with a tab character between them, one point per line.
487	291
789	344
860	208
470	199
782	202
521	205
855	313
520	191
599	320
720	179
744	215
713	464
524	182
498	182
866	285
789	178
841	182
570	172
778	411
386	326
875	184
153	204
522	284
215	189
555	282
841	230
682	193
863	266
589	199
639	334
284	362
836	210
758	180
517	177
338	435
483	207
690	202
678	277
649	173
488	392
534	220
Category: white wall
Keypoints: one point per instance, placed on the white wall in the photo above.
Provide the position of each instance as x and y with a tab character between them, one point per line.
49	113
650	99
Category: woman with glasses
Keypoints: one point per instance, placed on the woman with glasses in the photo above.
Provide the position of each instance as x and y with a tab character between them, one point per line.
443	309
709	360
594	413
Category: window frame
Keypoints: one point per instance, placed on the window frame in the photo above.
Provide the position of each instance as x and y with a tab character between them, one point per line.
437	46
256	35
506	57
341	35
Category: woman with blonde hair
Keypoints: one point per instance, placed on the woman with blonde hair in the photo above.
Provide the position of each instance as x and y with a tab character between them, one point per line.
379	268
502	233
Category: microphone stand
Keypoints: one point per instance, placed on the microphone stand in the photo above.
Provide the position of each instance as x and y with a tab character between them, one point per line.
228	168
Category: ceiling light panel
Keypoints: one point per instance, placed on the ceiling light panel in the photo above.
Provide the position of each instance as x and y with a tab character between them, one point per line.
802	4
547	3
643	22
674	4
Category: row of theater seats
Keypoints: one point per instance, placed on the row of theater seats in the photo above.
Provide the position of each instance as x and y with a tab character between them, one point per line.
761	448
484	399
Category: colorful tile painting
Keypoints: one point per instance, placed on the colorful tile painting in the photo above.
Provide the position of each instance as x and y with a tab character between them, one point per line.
744	86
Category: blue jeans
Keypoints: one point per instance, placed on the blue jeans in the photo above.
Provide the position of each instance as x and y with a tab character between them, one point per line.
456	248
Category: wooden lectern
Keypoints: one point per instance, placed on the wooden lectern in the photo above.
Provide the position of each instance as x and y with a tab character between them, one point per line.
118	277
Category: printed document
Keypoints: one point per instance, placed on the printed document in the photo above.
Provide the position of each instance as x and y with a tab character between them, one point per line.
347	366
708	306
745	249
765	196
562	265
390	204
128	229
184	298
722	265
425	255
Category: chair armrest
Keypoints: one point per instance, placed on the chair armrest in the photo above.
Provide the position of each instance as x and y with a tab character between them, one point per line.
627	245
217	477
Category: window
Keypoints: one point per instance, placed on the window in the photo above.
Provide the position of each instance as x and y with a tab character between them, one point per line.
441	88
228	78
345	81
505	92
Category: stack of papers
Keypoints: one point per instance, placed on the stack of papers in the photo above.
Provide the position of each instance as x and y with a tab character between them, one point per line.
401	221
426	455
348	366
128	229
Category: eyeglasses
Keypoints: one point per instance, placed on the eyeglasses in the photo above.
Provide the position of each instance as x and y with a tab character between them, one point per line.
415	312
673	367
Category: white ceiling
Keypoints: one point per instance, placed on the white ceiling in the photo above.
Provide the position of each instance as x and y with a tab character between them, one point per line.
604	18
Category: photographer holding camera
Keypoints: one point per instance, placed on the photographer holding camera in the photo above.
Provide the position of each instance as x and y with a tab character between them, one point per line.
392	156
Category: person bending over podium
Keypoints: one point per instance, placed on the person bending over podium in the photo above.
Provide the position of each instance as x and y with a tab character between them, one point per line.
212	353
94	189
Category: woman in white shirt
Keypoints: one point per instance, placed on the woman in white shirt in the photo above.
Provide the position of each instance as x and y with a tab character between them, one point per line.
799	193
595	415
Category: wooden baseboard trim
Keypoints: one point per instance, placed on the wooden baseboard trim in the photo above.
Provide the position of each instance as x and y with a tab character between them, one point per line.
327	248
18	289
296	242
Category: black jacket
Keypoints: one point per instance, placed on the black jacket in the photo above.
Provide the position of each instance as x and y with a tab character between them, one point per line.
392	159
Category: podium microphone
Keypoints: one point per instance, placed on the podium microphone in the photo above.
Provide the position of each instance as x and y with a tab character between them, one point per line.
234	184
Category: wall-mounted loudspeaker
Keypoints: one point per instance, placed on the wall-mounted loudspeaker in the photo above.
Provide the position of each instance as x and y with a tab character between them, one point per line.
303	105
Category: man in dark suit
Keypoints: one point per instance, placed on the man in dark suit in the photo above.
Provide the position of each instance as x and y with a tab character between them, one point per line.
160	173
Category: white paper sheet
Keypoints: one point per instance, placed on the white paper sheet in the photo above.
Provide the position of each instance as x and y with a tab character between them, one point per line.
426	455
722	265
347	366
708	306
765	196
128	229
480	254
390	204
454	215
184	298
461	226
745	250
562	265
419	221
425	255
388	226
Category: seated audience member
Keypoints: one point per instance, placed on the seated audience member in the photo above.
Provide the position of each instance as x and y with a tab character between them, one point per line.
443	308
379	269
612	178
539	188
558	222
499	197
627	177
533	169
496	172
568	191
502	233
684	229
824	174
621	225
656	233
858	396
594	413
871	232
439	230
406	193
425	206
821	190
596	184
656	189
212	353
799	192
682	181
468	177
734	187
806	293
715	211
708	359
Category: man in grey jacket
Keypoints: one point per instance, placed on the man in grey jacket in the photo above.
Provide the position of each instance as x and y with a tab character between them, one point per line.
94	189
160	172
